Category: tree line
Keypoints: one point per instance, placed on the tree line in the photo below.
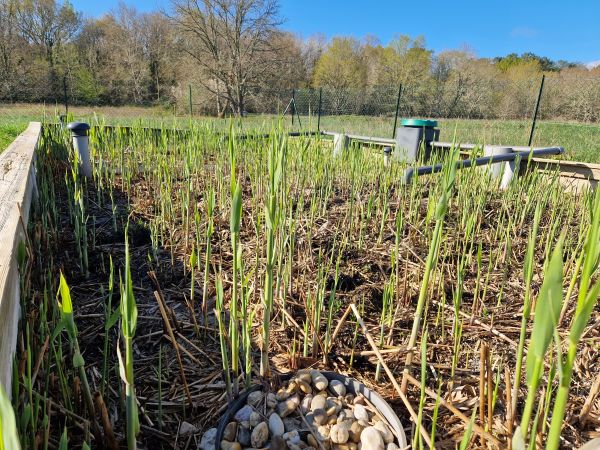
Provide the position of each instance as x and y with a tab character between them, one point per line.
238	58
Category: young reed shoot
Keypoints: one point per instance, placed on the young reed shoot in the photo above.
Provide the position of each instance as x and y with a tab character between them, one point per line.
276	168
9	438
129	315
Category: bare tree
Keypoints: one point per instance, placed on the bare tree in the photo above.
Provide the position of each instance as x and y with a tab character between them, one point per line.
9	48
160	52
229	40
126	31
47	24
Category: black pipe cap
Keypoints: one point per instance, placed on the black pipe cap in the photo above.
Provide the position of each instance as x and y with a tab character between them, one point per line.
78	128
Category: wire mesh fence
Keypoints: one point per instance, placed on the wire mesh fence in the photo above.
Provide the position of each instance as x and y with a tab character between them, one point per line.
381	106
372	101
567	96
471	108
459	99
497	112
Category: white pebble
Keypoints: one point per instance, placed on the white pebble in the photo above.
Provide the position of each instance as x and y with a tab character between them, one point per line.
360	413
338	388
370	439
276	426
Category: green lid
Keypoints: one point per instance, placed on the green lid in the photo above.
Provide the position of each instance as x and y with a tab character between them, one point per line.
418	123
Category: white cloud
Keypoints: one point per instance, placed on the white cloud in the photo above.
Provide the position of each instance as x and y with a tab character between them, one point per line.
593	64
523	32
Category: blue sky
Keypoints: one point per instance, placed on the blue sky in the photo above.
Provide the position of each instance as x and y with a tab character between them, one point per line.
557	29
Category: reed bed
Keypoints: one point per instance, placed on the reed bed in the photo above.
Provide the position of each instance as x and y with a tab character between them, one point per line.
239	258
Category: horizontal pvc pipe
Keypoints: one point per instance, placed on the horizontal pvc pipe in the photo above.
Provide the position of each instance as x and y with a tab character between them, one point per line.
367	139
517	148
435	144
268	135
466	163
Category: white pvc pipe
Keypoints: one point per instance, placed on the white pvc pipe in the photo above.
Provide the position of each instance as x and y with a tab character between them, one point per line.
516	148
505	171
81	141
82	146
387	153
340	143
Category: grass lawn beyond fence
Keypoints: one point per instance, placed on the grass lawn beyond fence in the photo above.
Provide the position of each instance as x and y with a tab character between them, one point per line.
580	140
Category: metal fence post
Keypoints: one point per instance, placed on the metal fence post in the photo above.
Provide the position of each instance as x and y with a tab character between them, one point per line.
191	108
66	96
397	109
535	112
319	111
293	105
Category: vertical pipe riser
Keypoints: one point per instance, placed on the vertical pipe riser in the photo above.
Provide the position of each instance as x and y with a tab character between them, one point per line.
81	140
506	170
81	144
340	144
387	153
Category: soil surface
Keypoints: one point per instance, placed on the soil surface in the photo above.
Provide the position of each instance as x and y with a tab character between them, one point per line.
178	369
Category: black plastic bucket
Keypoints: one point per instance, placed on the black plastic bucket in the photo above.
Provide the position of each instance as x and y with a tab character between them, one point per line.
352	387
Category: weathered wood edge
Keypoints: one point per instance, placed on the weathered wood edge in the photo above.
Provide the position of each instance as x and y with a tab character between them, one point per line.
574	175
17	187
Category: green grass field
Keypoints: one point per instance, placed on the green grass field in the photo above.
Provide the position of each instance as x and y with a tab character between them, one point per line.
8	132
581	141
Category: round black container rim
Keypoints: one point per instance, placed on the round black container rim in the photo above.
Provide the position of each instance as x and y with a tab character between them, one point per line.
354	386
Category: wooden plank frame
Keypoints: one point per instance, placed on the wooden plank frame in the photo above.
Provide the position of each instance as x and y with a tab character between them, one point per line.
17	189
574	176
